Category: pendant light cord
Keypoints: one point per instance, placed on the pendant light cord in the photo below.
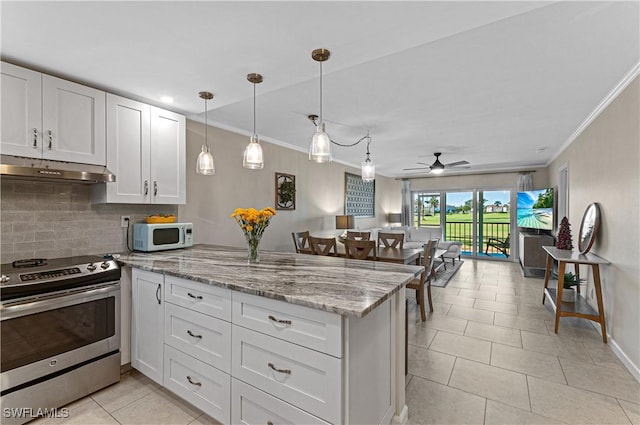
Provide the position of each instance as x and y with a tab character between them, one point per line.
254	109
206	139
321	93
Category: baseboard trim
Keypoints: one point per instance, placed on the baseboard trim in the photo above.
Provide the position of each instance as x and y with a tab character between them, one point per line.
632	368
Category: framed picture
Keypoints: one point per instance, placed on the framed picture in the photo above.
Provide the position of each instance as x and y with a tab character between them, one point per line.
285	191
359	196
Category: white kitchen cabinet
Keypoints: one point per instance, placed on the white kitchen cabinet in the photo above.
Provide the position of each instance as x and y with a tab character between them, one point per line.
51	118
146	149
147	324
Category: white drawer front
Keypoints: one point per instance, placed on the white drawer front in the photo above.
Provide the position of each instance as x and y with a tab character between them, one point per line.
203	337
212	396
198	296
250	406
302	377
306	326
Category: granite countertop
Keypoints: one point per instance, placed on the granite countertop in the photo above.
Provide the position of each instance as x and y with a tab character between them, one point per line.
337	285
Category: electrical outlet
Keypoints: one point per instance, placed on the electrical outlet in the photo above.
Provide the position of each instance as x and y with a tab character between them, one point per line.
125	220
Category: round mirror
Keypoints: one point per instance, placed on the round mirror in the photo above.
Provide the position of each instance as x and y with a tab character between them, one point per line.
589	227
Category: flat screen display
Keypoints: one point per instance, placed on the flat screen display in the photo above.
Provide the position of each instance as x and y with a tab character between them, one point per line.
535	209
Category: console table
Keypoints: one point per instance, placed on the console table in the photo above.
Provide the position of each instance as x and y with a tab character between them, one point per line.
580	308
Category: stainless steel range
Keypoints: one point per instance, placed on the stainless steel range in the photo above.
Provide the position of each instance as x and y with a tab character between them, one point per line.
60	333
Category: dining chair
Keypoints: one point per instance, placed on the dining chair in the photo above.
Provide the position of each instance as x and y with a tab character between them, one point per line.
358	236
323	246
391	240
425	278
360	249
301	242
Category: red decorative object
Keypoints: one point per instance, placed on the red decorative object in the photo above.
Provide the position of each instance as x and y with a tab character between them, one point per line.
564	235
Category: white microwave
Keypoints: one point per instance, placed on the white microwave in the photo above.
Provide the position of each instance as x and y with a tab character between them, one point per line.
160	236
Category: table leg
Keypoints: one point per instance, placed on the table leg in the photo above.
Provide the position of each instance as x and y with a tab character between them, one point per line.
547	274
577	270
561	267
596	284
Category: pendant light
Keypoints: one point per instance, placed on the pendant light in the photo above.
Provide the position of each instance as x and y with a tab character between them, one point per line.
368	167
205	164
252	157
320	148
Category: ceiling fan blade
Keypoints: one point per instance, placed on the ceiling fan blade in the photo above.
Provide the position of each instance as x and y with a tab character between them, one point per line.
423	163
418	168
455	164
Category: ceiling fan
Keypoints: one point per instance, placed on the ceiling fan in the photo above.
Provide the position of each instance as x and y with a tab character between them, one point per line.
437	167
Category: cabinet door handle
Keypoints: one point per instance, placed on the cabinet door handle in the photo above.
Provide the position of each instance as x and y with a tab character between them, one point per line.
155	188
194	335
158	293
269	423
284	322
50	139
35	138
287	371
146	187
192	382
195	297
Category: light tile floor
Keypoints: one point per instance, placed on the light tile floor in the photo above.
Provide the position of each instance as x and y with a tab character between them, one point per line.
487	355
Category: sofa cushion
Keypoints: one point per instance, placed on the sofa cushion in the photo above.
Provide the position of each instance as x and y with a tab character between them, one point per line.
424	234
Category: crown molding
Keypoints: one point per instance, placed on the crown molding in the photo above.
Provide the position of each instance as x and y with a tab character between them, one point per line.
610	97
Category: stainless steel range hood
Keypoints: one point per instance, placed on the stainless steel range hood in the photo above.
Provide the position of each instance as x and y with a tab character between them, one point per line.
44	169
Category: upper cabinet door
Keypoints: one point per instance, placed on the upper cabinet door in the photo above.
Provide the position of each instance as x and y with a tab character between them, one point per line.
128	138
21	120
167	157
73	122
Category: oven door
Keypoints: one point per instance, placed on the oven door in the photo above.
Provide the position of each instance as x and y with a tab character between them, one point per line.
42	336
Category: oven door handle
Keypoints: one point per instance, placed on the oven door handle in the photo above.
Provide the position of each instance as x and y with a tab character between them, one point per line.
58	300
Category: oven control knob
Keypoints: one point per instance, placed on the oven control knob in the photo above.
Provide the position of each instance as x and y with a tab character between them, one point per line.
91	267
104	265
5	279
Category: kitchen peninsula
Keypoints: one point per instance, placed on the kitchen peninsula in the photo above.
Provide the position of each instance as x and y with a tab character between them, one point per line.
297	338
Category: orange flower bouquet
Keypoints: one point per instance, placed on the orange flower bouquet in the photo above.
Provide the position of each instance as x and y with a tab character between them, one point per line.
253	222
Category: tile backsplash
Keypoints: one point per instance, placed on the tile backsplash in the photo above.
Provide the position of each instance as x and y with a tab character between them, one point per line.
48	220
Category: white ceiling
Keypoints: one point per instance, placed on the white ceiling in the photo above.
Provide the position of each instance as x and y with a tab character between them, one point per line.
501	84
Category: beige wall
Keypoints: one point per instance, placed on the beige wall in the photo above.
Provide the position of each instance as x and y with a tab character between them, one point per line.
319	196
603	167
489	181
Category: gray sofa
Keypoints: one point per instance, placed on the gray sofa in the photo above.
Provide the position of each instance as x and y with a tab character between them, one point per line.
417	237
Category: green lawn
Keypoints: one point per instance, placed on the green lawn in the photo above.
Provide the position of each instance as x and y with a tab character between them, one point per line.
462	232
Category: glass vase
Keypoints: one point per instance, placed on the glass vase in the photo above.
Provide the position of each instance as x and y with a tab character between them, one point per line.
253	251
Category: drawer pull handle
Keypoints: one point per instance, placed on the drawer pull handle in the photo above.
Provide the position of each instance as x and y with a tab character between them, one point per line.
284	322
192	382
269	423
194	335
287	371
195	297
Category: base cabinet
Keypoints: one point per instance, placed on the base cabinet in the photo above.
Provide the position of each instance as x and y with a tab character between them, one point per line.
246	359
147	323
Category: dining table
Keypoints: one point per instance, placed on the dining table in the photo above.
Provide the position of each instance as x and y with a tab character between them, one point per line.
390	255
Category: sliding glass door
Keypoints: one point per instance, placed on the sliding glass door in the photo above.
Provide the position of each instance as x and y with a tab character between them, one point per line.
479	219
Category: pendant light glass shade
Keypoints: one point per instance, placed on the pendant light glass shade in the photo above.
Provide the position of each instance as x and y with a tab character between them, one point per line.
320	148
252	157
205	164
368	170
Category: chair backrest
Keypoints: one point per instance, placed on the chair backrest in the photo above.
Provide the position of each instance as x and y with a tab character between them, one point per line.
323	246
360	250
301	242
428	258
391	240
358	236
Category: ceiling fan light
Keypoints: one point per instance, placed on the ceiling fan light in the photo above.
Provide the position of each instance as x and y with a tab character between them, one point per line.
368	170
205	164
320	148
252	157
437	170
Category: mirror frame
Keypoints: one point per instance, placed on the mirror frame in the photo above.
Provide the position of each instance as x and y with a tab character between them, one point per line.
586	241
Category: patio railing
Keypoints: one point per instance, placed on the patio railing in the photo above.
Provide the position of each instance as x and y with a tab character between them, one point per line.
463	232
